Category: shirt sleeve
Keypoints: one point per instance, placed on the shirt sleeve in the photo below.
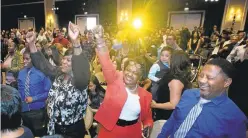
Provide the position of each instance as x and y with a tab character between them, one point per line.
238	129
43	96
168	127
231	56
41	63
153	70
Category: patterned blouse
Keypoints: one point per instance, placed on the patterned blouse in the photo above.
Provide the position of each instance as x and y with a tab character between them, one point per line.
66	105
66	102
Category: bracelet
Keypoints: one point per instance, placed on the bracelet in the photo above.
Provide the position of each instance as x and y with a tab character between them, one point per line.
100	43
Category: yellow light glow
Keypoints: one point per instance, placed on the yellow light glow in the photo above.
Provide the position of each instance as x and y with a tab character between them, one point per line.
238	17
124	15
50	19
232	11
137	23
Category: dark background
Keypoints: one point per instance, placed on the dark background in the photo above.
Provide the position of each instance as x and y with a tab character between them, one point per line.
156	11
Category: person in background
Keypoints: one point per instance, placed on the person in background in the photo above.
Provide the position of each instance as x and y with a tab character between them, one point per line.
61	40
88	46
238	89
237	53
42	36
226	49
170	89
52	55
159	69
33	86
185	36
96	93
207	111
11	121
194	42
241	38
172	85
13	62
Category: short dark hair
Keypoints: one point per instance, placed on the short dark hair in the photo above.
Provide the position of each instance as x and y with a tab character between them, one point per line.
27	51
10	108
136	61
173	35
68	52
226	67
167	48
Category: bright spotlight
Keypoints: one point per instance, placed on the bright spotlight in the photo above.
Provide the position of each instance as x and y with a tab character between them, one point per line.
186	9
137	23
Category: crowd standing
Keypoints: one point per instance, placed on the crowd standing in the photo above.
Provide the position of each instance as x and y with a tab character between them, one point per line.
134	83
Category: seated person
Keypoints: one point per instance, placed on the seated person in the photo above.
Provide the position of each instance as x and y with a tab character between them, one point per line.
207	111
96	93
11	125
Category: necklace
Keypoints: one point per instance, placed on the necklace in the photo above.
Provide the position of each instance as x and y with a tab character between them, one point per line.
132	90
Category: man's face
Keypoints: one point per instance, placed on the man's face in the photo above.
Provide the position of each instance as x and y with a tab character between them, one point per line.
132	74
212	81
234	40
11	47
241	35
27	60
170	41
89	36
12	35
60	36
215	28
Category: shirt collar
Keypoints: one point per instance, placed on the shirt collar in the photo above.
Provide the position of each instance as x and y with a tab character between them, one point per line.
217	100
30	69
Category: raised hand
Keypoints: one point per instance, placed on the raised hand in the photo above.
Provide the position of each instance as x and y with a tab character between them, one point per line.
73	31
98	31
31	38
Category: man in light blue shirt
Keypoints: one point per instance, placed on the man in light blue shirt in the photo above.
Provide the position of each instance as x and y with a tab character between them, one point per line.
218	116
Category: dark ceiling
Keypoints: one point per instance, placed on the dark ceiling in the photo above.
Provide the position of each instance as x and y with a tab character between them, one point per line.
9	2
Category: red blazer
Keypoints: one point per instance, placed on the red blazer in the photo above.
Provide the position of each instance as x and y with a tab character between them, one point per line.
116	96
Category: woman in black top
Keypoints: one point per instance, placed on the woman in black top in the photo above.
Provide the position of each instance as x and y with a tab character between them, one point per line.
194	42
172	85
67	98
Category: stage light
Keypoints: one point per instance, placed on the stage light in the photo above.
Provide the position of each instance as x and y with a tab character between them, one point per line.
216	0
206	0
25	16
137	23
186	9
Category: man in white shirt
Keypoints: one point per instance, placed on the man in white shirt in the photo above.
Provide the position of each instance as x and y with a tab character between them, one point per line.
237	53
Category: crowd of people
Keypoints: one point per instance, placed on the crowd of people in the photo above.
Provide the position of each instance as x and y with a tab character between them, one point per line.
134	83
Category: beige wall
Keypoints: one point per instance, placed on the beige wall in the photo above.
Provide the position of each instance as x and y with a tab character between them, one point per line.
124	6
239	7
50	16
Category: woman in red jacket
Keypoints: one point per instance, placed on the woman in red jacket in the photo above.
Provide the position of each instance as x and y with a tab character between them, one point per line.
126	110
